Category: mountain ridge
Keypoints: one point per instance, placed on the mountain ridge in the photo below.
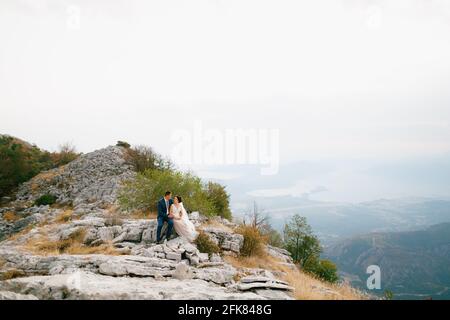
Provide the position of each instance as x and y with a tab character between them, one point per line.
413	264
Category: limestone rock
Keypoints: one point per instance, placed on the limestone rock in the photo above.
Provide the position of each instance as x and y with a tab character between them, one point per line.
226	240
82	285
273	294
8	295
252	283
222	276
183	272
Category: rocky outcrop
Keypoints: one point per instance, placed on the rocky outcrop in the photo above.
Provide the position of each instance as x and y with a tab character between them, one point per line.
22	217
85	285
138	234
209	276
281	255
227	241
91	180
42	274
89	184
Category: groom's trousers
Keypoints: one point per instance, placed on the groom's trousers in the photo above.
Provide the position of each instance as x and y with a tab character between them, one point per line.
161	221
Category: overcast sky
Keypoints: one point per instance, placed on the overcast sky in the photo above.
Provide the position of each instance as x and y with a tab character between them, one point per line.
349	79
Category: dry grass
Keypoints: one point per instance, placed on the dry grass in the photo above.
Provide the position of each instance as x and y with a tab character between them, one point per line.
262	262
10	216
21	233
306	287
215	224
11	274
142	214
73	245
114	210
2	262
107	249
46	176
64	216
253	241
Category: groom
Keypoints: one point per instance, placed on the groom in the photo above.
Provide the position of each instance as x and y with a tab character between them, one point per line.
164	216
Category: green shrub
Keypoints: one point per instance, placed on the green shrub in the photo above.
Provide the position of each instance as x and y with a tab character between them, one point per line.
220	199
46	199
273	237
300	240
305	249
253	241
388	295
148	187
20	161
205	244
323	269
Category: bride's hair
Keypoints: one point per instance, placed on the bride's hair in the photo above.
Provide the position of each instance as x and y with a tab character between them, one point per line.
179	199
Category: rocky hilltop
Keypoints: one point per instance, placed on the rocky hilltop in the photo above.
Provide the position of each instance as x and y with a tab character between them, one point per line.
87	184
85	247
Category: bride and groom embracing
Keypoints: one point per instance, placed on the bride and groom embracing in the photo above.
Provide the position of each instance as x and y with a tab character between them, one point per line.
173	213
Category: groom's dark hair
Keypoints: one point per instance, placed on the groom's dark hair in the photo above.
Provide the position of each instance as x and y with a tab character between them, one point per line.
167	193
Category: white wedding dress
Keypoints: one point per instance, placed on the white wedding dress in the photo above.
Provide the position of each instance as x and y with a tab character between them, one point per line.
184	227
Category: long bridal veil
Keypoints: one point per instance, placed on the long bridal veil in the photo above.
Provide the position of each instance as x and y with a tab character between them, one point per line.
190	228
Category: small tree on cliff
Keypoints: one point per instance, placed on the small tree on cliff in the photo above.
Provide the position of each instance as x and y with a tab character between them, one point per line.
300	241
305	249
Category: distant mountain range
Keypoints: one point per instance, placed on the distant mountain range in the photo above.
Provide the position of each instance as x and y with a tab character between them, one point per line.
414	264
333	221
409	238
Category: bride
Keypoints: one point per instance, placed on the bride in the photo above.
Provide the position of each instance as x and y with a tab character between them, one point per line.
183	226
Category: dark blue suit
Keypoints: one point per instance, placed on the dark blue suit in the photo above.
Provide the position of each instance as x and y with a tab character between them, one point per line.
162	217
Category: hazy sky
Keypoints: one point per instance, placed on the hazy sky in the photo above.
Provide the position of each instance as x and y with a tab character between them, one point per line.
358	80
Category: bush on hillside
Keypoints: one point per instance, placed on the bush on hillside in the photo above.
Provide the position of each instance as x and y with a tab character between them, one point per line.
66	153
205	244
143	158
220	199
253	241
323	269
46	199
20	161
272	236
148	187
